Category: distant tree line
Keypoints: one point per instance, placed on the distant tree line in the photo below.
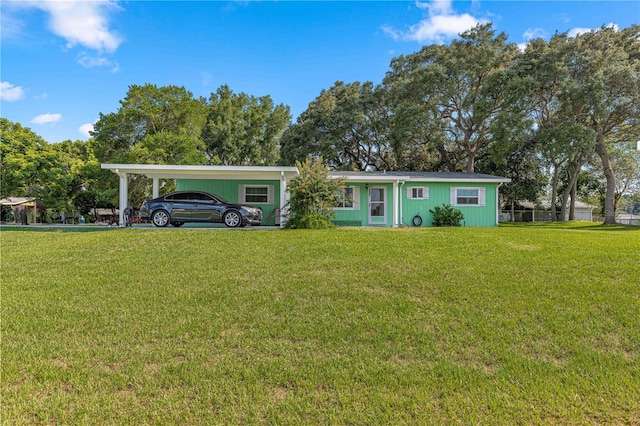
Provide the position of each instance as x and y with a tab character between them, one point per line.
561	117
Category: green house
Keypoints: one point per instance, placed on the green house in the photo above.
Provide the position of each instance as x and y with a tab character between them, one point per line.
386	199
406	198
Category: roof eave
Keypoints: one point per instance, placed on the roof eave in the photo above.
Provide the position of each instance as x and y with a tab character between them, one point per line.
396	178
191	172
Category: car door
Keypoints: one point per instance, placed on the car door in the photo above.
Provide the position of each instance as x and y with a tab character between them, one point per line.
180	206
206	208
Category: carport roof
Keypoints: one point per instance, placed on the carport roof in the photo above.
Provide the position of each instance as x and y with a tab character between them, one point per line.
202	172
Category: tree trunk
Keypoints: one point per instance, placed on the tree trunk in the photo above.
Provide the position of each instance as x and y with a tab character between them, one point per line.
471	161
609	199
554	193
446	159
569	191
572	209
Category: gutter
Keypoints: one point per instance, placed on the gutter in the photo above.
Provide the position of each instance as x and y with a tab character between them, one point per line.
401	217
498	203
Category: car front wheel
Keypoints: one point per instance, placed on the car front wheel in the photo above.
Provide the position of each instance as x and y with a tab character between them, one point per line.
232	219
160	218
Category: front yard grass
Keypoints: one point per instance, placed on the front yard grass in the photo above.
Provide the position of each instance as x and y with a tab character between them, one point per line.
510	325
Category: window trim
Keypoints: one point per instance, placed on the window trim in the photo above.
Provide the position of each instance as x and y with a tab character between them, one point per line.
425	192
356	199
242	193
482	196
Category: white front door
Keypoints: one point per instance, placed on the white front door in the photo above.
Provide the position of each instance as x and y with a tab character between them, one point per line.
377	206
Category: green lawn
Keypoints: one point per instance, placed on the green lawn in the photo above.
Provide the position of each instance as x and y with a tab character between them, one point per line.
513	325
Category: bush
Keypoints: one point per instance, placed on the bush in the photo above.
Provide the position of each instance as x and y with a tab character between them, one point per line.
313	196
446	216
311	221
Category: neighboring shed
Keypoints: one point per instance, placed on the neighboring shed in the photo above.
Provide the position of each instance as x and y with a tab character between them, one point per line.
541	212
25	210
628	219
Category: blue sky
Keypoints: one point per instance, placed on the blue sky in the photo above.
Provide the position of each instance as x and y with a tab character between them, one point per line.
64	62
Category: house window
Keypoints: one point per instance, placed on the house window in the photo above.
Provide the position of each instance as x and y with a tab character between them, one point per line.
418	192
256	194
349	198
468	196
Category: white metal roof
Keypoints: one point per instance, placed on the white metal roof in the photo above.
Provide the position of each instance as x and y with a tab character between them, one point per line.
275	172
202	172
384	176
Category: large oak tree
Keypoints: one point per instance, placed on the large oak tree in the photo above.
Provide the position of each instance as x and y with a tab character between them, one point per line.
453	100
346	125
606	67
242	129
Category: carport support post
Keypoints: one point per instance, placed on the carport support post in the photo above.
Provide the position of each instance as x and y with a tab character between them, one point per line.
395	205
156	187
124	191
283	199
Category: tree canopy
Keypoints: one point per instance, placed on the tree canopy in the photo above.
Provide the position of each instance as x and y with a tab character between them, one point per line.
454	100
243	130
346	126
560	117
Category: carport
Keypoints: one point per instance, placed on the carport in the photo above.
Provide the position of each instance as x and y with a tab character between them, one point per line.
157	172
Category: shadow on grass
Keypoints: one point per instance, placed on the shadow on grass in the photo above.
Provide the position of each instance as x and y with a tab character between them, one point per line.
44	228
573	225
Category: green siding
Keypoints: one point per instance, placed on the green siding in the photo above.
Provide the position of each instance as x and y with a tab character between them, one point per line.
349	217
439	194
229	189
360	217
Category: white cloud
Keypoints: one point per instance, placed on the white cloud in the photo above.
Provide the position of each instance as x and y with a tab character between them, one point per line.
91	61
533	33
389	30
436	7
46	118
85	129
577	31
10	93
88	61
441	24
11	26
439	28
530	34
84	23
574	32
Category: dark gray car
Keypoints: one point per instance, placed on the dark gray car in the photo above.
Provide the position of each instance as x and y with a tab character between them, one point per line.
178	208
